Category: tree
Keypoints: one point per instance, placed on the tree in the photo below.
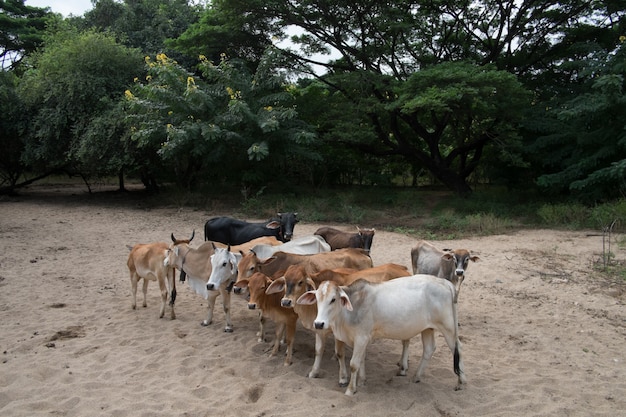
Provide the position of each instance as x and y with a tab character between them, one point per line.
585	132
227	121
76	80
12	124
381	45
22	31
143	24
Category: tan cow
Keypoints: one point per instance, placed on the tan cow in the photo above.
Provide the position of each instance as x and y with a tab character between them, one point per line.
296	281
280	261
269	304
195	263
449	264
146	260
244	247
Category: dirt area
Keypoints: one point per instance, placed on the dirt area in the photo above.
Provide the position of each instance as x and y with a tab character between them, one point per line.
542	330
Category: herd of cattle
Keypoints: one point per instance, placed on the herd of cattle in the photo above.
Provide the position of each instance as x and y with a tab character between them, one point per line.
327	281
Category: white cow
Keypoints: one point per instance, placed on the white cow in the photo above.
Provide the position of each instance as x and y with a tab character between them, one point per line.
195	264
449	264
398	309
306	245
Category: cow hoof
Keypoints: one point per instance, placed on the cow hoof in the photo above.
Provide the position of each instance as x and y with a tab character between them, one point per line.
228	330
313	375
205	323
343	384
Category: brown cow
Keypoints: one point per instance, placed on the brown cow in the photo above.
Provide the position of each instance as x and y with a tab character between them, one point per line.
146	260
269	304
346	276
280	261
338	239
296	282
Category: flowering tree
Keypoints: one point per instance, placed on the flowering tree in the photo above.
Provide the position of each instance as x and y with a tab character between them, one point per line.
223	122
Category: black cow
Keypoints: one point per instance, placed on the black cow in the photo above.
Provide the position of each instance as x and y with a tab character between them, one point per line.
338	239
235	232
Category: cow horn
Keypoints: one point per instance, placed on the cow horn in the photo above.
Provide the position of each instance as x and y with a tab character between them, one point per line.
192	235
173	238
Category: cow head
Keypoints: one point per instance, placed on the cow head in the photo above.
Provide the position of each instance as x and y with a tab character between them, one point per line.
294	283
367	237
256	285
330	299
287	224
223	268
173	257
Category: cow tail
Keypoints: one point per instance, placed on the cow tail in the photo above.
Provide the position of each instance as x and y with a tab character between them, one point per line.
457	359
173	289
457	354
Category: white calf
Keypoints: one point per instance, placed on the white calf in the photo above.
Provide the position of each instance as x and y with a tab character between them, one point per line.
398	309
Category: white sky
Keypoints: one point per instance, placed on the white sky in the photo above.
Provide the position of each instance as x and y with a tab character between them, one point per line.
65	7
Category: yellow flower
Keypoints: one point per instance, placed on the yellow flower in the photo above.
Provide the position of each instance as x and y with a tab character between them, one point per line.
147	59
169	113
135	79
129	95
190	82
268	108
148	77
622	39
162	58
169	126
202	57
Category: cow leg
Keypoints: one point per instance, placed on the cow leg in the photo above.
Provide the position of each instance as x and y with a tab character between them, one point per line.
145	292
428	344
358	357
340	353
280	328
404	359
226	305
210	306
163	287
261	333
291	335
133	290
320	341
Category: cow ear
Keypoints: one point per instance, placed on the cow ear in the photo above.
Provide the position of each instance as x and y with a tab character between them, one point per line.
345	300
278	285
308	298
447	256
474	258
310	284
242	284
273	225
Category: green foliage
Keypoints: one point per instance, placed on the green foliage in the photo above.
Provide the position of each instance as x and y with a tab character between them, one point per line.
12	125
76	80
586	141
22	31
228	120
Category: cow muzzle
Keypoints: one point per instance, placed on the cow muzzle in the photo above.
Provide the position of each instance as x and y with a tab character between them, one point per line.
319	325
459	272
285	302
211	287
251	306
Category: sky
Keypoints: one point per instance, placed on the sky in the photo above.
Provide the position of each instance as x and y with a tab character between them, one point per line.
65	7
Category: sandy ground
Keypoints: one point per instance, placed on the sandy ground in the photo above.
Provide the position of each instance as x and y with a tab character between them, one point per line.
543	333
